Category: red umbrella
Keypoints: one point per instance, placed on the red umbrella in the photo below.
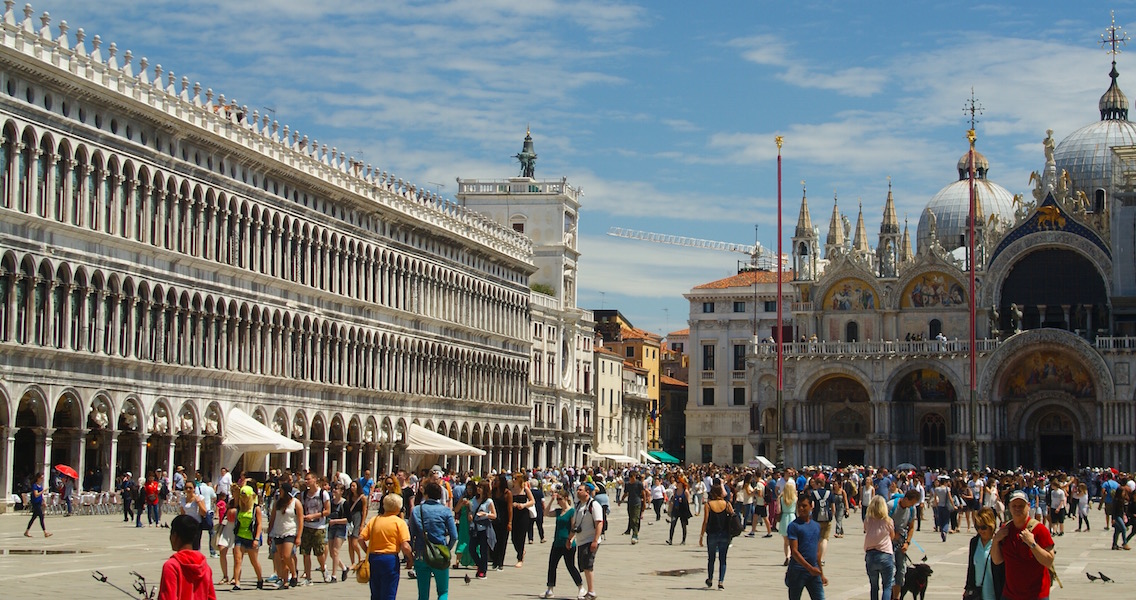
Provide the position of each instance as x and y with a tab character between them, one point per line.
68	471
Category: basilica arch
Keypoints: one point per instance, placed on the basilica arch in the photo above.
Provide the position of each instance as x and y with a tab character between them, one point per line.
836	405
921	396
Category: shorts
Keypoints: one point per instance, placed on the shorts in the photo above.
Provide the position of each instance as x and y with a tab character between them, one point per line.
244	543
972	505
1057	516
337	532
900	560
313	540
825	529
288	539
585	558
355	523
759	511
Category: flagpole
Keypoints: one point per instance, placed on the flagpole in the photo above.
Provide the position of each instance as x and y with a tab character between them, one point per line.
970	136
780	328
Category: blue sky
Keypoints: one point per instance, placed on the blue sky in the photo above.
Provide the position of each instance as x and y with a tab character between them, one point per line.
664	112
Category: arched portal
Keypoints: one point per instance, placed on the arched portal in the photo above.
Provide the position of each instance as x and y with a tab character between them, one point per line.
1078	303
921	396
31	418
843	404
1056	439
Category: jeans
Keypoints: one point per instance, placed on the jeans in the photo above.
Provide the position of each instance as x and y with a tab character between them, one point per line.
881	572
423	572
384	576
1118	530
37	513
942	518
479	549
717	544
798	580
154	514
557	552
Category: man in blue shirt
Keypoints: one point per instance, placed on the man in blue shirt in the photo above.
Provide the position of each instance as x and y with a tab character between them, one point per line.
805	570
366	482
1108	488
882	484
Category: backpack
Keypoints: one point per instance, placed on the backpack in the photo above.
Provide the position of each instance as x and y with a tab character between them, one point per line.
770	490
164	493
823	509
1030	524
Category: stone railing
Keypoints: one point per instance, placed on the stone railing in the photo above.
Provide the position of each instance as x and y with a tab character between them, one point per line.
24	41
544	300
634	389
926	347
518	185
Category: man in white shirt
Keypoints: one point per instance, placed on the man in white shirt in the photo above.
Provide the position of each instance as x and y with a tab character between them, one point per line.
205	491
586	523
224	484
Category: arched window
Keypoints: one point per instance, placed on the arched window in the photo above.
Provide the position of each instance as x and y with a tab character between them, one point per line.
933	430
852	331
935	327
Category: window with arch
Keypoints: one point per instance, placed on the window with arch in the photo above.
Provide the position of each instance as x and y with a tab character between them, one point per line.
852	331
935	327
933	430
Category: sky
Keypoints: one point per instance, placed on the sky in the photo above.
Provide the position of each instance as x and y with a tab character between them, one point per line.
663	112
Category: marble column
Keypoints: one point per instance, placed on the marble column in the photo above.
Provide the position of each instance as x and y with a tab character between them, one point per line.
81	467
45	467
8	434
111	475
170	466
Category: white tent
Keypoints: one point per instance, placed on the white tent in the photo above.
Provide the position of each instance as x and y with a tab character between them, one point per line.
648	458
420	440
245	435
622	459
761	461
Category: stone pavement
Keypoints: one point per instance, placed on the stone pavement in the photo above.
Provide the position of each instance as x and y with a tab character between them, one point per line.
83	543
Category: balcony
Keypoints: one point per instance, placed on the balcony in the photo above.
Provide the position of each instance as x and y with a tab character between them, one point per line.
798	350
737	375
708	376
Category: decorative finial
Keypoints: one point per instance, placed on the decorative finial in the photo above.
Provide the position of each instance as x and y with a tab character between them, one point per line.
973	108
803	194
778	140
889	183
1113	38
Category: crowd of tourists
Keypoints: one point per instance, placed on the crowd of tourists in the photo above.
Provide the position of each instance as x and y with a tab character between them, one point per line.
423	525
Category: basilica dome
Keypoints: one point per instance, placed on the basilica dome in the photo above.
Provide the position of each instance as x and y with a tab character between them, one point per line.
951	205
1085	154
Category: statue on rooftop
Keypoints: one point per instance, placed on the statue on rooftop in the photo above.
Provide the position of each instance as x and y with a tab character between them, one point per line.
527	157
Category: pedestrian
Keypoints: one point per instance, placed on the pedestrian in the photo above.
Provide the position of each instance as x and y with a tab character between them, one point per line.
536	487
587	524
247	540
788	502
1058	506
760	511
941	504
37	507
524	512
357	501
1121	498
1108	490
805	570
981	576
313	537
902	510
194	508
283	530
186	575
67	491
824	505
879	554
503	524
126	490
636	496
563	546
483	535
432	522
679	510
716	534
1025	547
1082	502
463	507
337	524
386	535
208	523
226	536
840	505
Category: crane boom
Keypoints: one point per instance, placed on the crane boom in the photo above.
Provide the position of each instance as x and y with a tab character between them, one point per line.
757	252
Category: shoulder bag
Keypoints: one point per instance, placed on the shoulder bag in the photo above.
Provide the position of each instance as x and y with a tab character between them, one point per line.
437	554
363	567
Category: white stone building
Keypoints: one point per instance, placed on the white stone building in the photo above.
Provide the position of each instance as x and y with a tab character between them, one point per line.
167	256
561	380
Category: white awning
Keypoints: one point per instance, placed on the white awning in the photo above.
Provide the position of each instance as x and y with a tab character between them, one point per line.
621	458
650	459
761	461
246	436
420	440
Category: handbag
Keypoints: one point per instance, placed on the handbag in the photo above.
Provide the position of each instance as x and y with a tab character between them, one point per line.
975	593
437	555
363	567
532	511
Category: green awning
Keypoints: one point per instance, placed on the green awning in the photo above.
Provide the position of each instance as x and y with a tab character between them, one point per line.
664	457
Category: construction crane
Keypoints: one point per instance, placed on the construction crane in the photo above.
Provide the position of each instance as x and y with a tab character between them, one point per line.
760	257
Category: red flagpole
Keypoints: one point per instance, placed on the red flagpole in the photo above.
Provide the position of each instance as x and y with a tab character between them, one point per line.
780	327
973	317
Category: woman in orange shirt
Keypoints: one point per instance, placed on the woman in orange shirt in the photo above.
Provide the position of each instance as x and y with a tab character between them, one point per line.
385	536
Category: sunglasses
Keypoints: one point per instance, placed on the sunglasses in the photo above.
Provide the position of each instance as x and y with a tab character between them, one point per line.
983	527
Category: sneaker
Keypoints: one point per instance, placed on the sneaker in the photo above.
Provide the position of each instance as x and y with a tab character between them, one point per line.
590	596
327	578
236	587
343	577
293	582
481	575
273	579
768	535
547	593
709	582
751	534
305	581
280	584
583	592
634	541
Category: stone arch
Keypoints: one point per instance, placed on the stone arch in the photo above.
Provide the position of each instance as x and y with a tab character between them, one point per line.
99	417
1016	347
1009	256
68	410
910	368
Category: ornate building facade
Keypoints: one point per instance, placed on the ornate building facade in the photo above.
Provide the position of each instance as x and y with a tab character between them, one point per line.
882	374
167	256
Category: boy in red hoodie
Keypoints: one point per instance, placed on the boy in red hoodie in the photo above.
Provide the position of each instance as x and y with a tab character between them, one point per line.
186	575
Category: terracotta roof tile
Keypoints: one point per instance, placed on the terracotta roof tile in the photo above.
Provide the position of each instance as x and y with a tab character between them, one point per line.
634	333
668	380
680	332
746	279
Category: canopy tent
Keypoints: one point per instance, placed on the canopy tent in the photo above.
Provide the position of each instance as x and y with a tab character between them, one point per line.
246	436
761	462
622	459
421	441
648	458
664	457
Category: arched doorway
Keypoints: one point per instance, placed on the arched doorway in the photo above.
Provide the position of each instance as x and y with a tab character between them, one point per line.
27	453
97	452
212	431
1056	440
843	403
158	446
129	456
65	438
920	405
852	331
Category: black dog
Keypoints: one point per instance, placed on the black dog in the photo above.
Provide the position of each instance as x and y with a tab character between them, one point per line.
915	581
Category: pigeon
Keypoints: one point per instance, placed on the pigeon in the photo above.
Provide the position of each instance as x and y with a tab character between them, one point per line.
1091	576
1104	578
467	578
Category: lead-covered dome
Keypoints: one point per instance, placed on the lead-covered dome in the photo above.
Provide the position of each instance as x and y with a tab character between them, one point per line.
1085	154
951	206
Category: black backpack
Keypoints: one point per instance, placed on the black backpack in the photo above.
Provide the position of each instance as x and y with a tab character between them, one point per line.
823	508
